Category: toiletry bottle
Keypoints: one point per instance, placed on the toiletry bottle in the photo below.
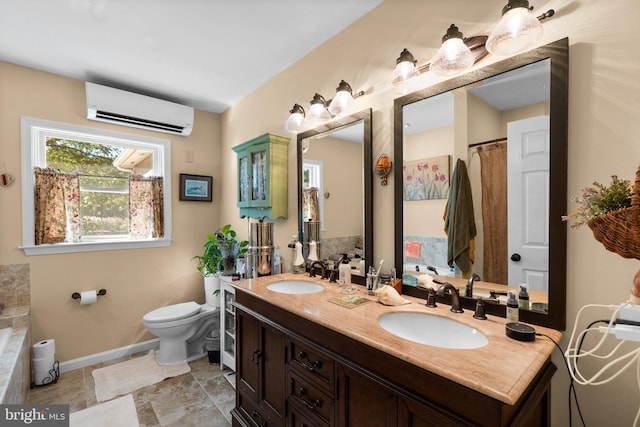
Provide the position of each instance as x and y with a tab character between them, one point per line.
344	271
523	297
512	308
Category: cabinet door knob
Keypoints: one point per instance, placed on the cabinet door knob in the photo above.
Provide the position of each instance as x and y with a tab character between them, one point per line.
256	416
255	357
516	257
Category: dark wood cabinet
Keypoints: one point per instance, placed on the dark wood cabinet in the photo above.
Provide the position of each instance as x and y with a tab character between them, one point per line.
294	372
260	372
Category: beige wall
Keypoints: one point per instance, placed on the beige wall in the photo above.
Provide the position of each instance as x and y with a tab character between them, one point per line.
603	129
342	179
136	281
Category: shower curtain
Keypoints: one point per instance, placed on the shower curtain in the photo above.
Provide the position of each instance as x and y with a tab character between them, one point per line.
493	173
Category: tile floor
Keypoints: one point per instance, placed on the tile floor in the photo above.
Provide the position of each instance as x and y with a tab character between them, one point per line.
201	397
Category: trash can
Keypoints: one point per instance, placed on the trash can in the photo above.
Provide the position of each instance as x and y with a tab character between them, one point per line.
212	344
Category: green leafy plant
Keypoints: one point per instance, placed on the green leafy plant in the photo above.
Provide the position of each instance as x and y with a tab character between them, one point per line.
600	199
220	251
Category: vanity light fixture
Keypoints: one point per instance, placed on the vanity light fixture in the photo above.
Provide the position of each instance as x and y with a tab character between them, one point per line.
343	103
296	123
405	67
518	29
317	112
454	56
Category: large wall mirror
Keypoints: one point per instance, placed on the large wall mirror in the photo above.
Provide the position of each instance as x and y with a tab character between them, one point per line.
508	123
335	205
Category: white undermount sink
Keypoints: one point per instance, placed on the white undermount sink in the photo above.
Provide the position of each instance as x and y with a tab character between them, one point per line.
295	287
432	330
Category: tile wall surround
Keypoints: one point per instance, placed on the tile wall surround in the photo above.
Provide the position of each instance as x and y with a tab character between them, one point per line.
333	247
15	361
433	251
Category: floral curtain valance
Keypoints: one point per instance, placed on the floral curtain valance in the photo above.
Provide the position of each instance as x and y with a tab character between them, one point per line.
310	204
57	206
146	207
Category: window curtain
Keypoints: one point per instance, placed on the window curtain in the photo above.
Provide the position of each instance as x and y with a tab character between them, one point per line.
310	204
57	206
146	207
493	174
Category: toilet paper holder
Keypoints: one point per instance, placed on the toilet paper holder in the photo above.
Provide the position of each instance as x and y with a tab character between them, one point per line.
76	295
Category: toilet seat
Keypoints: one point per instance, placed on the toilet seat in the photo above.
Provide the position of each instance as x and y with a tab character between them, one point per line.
172	312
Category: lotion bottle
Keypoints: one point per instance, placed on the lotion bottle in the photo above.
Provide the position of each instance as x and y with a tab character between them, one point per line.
512	308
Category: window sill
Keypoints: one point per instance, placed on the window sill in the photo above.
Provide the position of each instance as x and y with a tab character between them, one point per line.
65	248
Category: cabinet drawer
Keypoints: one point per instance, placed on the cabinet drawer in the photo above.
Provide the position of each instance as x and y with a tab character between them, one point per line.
312	400
313	362
300	417
250	411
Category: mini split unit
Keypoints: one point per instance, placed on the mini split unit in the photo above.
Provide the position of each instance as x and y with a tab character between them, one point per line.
107	104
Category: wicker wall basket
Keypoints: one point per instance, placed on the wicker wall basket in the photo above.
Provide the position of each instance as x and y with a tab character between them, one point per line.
619	231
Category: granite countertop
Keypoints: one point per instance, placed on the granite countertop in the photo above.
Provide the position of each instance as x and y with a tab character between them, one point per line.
502	369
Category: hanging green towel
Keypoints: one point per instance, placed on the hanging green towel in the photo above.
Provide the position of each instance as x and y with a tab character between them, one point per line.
459	222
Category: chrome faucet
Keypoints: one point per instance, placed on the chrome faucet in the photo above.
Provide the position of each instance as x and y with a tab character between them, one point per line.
447	287
312	269
468	292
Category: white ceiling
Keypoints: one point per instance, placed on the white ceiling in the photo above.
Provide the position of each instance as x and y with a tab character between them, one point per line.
208	54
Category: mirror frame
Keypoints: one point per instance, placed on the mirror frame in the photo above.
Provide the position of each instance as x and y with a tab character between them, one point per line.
367	174
558	54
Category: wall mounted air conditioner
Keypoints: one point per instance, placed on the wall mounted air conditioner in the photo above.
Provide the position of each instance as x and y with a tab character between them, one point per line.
107	104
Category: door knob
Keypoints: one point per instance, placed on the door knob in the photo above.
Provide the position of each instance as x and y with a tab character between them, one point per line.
516	257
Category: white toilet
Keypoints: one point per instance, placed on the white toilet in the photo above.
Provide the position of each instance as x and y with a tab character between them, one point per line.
181	329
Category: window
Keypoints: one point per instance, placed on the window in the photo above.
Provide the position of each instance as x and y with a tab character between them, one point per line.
104	162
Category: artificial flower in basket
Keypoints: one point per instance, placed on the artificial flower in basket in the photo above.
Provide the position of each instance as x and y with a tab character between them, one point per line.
613	214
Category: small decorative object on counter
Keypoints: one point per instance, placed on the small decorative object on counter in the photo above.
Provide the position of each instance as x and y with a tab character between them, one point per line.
512	308
635	290
387	295
383	168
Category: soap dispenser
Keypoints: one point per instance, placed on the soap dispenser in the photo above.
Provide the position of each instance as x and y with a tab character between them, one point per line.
344	271
512	308
523	297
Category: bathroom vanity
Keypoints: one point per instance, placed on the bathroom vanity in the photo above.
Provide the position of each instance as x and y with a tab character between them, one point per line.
306	361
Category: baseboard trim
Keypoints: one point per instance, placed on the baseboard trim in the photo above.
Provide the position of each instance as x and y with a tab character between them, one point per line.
105	356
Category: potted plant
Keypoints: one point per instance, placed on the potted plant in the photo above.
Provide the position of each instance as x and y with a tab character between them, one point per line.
219	259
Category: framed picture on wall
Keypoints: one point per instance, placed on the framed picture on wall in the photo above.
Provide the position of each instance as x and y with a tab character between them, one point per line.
195	188
426	179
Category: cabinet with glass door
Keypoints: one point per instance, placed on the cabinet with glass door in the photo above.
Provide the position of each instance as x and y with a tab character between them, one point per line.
263	177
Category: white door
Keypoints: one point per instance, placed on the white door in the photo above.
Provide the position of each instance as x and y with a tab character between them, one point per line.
528	202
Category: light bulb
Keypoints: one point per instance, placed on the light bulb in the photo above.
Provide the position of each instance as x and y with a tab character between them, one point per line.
318	111
453	56
343	103
295	123
517	31
405	67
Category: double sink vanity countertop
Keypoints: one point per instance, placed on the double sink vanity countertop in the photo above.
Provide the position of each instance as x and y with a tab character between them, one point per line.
502	369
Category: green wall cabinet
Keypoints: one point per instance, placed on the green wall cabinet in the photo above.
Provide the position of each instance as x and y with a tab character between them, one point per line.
263	177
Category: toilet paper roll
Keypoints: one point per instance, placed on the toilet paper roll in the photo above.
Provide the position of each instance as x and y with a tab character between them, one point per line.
44	364
43	377
45	348
88	297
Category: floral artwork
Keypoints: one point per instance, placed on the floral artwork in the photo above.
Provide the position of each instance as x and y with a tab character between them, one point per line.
426	179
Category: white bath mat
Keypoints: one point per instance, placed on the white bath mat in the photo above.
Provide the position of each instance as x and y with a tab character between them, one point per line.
125	377
119	412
